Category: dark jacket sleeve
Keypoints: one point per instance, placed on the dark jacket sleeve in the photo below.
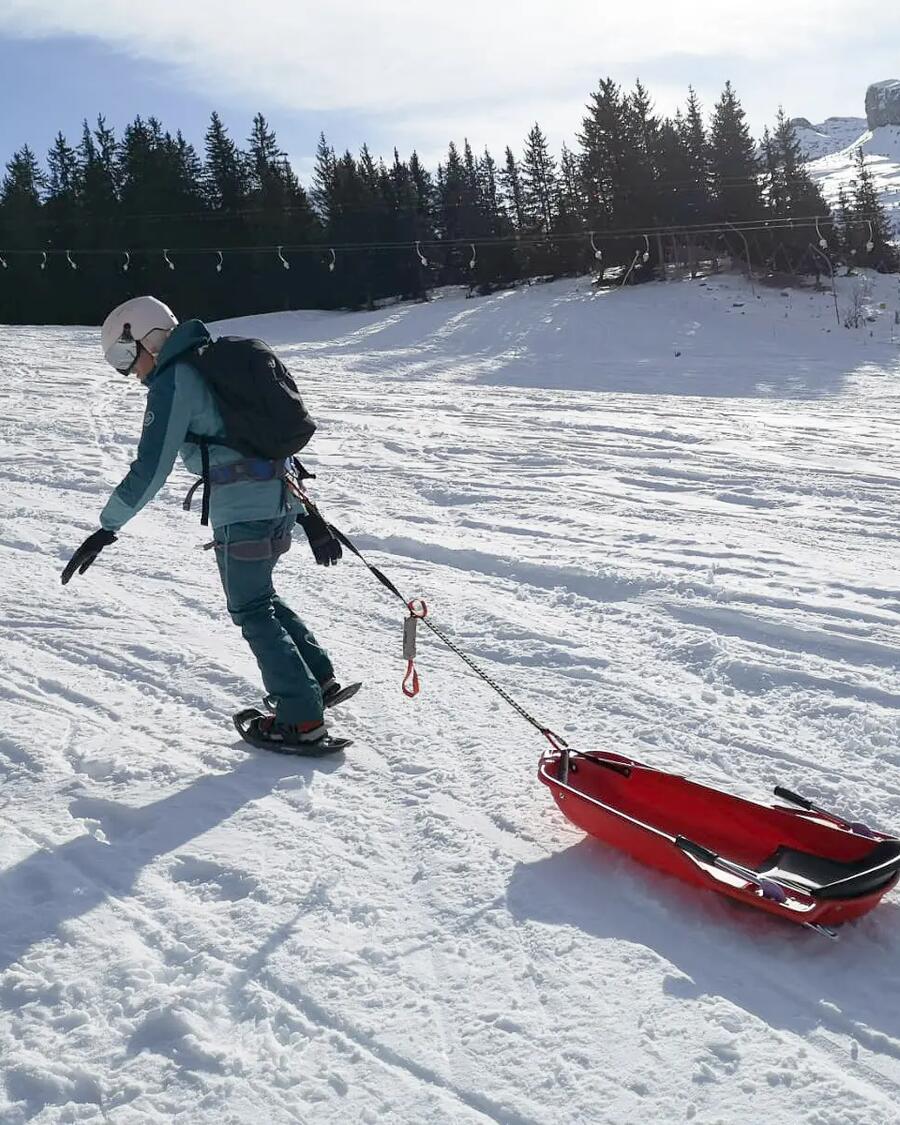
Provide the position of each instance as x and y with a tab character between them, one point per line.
166	422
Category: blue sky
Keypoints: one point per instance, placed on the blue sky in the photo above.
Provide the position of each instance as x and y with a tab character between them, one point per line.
414	75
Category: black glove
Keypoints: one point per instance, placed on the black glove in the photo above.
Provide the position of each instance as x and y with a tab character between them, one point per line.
87	552
325	547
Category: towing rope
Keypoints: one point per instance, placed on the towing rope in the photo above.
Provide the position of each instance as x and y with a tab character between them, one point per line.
418	612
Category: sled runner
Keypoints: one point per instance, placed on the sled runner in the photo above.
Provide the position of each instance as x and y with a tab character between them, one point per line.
803	864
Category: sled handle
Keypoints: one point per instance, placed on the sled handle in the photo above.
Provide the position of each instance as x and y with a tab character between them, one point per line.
769	889
794	798
853	826
696	850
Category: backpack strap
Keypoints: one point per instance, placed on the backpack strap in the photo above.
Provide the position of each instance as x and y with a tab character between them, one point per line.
204	444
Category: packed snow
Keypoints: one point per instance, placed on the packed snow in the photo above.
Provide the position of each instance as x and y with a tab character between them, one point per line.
664	518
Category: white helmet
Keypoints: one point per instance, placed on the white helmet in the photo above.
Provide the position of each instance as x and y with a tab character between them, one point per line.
142	320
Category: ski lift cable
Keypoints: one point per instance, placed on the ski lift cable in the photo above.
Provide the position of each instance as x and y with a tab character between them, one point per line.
712	228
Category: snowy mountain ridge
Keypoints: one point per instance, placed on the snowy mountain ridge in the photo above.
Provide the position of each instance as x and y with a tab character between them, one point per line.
882	151
832	147
832	135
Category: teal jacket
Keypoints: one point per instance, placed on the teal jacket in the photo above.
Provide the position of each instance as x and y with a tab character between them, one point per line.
179	401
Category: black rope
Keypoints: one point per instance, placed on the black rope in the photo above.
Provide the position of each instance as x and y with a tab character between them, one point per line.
438	632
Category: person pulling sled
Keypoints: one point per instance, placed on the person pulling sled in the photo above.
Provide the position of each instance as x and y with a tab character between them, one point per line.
233	412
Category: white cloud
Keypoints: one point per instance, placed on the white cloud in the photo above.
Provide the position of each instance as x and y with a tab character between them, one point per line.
388	56
415	75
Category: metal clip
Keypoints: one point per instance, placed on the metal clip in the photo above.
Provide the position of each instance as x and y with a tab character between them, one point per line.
409	638
598	253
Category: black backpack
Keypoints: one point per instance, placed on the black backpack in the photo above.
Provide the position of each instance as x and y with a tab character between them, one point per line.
261	407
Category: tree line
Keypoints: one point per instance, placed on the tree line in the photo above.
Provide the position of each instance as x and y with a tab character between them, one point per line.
115	203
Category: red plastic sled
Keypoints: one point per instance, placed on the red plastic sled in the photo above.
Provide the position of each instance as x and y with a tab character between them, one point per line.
802	864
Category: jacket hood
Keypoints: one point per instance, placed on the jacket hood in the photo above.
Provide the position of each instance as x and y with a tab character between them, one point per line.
187	336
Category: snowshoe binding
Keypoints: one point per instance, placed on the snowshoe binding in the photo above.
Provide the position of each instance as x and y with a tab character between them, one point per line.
304	740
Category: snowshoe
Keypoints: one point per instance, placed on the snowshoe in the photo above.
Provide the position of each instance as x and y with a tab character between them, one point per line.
305	740
332	695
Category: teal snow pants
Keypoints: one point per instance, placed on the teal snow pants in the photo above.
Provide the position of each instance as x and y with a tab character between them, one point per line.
292	663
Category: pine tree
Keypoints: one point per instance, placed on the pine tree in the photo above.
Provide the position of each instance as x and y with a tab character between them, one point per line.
62	190
844	227
734	165
264	158
514	192
677	201
62	183
99	176
791	194
495	262
572	255
539	183
424	188
604	159
225	173
870	226
644	198
454	210
406	226
695	143
324	180
20	191
802	197
621	162
21	228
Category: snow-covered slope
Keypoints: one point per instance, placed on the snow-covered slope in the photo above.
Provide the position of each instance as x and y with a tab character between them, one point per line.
832	135
665	519
882	149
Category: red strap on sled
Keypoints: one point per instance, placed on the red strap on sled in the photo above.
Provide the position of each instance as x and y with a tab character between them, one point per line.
418	610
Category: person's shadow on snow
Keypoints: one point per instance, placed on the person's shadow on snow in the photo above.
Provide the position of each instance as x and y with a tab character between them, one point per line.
55	885
789	977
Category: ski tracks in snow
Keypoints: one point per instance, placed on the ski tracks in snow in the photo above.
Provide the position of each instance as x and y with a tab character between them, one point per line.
204	933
